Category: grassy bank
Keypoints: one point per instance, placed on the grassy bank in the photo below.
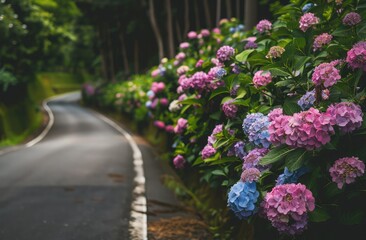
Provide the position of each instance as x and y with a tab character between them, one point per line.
20	119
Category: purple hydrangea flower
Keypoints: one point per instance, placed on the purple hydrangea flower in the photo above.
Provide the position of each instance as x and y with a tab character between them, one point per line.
264	26
225	53
179	161
229	109
356	56
249	120
239	149
251	160
208	151
346	115
250	45
250	175
352	19
308	20
307	100
321	40
346	170
325	74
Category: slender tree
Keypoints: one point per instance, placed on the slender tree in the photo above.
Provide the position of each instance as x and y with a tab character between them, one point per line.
250	14
169	22
197	15
218	11
237	8
155	27
229	12
207	13
186	18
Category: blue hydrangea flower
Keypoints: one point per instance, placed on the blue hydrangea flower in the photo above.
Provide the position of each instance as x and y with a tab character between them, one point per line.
307	7
240	27
220	73
258	132
307	100
249	120
232	30
242	198
150	94
162	70
148	104
290	177
239	149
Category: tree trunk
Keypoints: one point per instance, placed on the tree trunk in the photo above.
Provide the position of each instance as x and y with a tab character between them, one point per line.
250	14
136	58
218	12
207	13
126	65
229	12
155	27
187	26
102	52
110	55
237	8
169	25
197	15
178	29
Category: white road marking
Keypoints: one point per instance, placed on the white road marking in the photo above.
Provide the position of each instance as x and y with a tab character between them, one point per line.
138	218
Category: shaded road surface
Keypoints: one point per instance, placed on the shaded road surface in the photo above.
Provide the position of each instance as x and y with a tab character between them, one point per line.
74	184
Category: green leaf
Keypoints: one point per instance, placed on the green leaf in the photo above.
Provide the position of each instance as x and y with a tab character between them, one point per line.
198	161
192	101
225	99
216	115
218	172
284	83
275	155
242	102
217	92
318	215
223	160
279	72
299	43
351	217
241	93
243	56
295	159
290	107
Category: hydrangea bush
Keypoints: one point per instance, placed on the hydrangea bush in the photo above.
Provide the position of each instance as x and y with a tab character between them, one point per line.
272	119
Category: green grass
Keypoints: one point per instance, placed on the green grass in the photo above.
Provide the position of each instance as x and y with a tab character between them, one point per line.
19	121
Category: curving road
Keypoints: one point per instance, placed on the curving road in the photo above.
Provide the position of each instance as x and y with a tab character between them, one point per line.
74	184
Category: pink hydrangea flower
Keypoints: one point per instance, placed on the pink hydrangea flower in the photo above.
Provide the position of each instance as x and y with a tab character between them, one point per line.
251	160
308	20
208	151
159	124
225	53
309	129
164	101
346	115
264	26
275	113
157	87
180	56
229	109
199	63
155	73
205	32
325	74
352	19
356	56
181	126
216	31
346	170
184	45
321	40
169	128
250	175
198	80
262	78
179	162
286	207
192	35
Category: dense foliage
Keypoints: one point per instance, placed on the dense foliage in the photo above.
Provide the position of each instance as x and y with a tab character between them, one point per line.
271	119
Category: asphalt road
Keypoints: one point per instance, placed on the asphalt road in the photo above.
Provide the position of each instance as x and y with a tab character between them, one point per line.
74	184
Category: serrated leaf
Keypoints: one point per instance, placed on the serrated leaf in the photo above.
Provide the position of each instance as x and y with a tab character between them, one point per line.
318	215
218	91
279	72
218	172
284	83
192	101
290	107
241	93
275	155
295	159
243	56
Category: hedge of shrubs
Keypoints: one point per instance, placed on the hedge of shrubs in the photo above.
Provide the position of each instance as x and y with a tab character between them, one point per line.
272	119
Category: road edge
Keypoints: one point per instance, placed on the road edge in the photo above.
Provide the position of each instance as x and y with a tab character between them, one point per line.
138	217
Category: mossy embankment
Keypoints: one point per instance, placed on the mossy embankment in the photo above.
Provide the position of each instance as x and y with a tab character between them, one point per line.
21	113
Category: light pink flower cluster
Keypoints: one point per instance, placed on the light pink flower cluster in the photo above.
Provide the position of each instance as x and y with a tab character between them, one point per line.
321	40
325	74
356	56
286	207
229	109
250	175
346	170
184	45
309	129
157	87
181	126
182	70
209	150
352	19
308	20
275	52
192	35
199	63
262	78
252	159
346	115
179	161
159	124
225	53
264	26
205	33
180	56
